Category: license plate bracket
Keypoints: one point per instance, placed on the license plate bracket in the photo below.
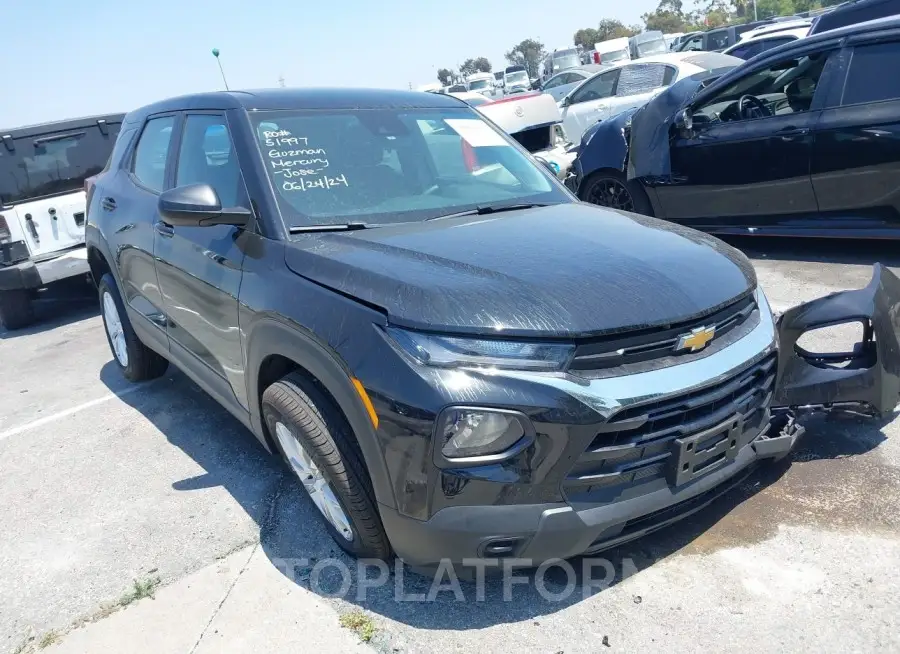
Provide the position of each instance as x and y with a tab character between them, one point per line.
699	454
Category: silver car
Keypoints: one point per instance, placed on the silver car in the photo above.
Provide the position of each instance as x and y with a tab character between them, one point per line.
560	84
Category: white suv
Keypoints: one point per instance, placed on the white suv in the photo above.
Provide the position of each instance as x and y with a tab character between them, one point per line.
43	173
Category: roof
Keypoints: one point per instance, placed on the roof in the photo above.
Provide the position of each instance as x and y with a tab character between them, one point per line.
298	98
855	11
798	32
59	125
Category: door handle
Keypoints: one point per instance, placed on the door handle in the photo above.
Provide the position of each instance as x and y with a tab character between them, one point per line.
108	204
164	229
791	133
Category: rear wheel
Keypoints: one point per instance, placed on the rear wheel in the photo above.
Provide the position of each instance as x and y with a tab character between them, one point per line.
319	448
610	188
136	361
16	310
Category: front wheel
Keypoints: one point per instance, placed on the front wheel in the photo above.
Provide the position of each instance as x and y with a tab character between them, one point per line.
610	188
318	446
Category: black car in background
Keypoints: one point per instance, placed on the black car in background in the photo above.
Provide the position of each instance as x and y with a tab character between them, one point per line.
803	139
855	11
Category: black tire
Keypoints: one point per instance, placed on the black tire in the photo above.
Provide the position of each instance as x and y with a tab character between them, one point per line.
323	432
143	363
16	310
610	188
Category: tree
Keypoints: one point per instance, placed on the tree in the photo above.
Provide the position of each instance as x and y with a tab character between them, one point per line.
445	76
669	18
478	65
586	38
528	53
610	28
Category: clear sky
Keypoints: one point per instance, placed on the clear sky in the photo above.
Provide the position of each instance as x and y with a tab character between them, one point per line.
64	58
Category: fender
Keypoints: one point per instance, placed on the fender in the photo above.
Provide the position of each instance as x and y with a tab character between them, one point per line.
269	335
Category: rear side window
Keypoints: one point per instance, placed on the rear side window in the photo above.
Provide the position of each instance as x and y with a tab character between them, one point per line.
873	74
53	163
152	151
746	51
118	152
640	78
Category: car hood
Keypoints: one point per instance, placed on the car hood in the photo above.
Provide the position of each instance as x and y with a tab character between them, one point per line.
563	270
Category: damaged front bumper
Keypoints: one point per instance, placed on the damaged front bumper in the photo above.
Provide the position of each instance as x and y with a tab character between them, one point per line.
865	378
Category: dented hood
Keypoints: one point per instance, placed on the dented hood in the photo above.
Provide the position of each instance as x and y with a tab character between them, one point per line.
563	270
867	376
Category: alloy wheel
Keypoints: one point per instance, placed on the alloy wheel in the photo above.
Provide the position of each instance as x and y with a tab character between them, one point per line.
611	193
114	329
319	488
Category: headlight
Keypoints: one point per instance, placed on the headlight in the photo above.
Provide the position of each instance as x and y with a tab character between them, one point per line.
456	351
468	432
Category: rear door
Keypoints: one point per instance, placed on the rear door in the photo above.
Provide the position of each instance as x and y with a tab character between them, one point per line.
589	103
856	154
199	268
42	182
125	204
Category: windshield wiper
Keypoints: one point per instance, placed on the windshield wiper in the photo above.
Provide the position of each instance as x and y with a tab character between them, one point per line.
486	209
340	227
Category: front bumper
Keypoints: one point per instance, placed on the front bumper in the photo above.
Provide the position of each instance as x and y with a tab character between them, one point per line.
31	275
536	533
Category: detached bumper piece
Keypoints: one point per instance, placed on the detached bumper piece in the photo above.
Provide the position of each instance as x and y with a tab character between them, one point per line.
865	379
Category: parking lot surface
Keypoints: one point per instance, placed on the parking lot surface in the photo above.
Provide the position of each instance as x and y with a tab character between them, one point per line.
106	484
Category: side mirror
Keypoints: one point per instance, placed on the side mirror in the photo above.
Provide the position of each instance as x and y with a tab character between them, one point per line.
198	205
566	101
684	119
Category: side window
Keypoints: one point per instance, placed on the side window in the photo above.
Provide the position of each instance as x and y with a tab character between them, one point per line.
149	165
869	78
640	78
553	82
785	87
598	87
207	157
745	51
695	43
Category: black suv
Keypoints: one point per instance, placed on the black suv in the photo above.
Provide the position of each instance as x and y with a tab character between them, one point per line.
455	357
802	140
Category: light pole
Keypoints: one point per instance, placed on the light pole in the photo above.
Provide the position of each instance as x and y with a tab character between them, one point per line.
215	52
755	15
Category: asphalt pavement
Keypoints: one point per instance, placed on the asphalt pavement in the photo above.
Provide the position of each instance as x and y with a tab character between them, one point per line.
145	518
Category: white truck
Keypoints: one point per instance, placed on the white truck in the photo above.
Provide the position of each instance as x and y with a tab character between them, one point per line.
481	83
44	170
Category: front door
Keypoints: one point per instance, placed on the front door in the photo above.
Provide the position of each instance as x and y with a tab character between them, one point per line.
589	103
746	162
856	155
199	268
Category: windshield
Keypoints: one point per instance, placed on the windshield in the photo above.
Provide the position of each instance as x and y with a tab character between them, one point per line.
477	84
566	59
391	165
652	47
516	77
49	164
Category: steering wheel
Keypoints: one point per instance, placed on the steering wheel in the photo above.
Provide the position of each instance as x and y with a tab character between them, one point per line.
749	107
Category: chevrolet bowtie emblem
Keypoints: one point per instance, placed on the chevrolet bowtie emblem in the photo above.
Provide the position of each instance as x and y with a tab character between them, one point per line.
696	340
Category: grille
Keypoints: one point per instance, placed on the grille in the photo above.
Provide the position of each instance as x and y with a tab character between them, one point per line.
649	344
635	446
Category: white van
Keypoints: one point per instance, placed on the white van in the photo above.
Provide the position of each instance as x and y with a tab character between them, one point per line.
481	83
44	173
612	51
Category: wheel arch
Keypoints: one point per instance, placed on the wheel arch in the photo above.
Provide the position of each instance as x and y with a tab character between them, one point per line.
275	349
